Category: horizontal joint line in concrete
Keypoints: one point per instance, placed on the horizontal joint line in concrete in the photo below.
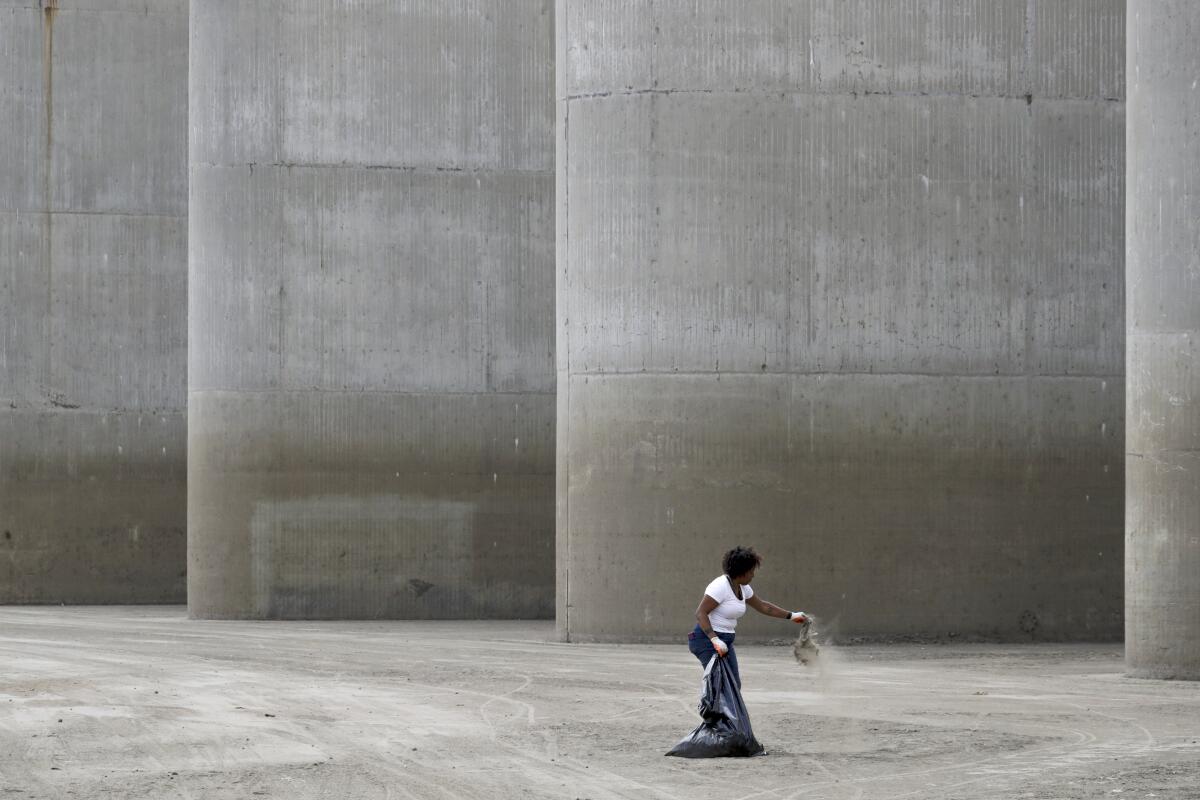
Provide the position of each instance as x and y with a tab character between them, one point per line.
1148	334
499	471
138	474
39	212
69	408
1028	99
140	12
372	391
251	165
832	374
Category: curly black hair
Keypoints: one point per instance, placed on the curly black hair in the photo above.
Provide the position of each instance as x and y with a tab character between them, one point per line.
739	561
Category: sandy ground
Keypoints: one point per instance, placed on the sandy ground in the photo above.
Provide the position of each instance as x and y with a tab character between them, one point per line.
143	703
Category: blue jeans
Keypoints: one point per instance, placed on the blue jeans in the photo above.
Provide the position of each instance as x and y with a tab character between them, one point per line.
703	650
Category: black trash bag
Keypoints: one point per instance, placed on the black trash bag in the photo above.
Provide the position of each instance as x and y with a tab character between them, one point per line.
726	728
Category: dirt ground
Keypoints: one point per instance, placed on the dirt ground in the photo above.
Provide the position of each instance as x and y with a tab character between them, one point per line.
143	703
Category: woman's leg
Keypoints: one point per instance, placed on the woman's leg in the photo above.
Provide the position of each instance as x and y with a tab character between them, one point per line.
700	646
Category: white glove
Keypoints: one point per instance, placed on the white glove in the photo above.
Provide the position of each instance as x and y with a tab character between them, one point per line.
798	617
718	645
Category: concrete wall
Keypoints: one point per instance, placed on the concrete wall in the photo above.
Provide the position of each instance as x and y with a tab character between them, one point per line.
842	280
1162	546
371	309
93	205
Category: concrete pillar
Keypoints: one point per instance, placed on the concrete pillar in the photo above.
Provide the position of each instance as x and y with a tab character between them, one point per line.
1162	501
841	279
93	351
371	390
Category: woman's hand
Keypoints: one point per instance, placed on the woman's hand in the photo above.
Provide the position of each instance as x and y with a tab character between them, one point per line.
718	645
799	617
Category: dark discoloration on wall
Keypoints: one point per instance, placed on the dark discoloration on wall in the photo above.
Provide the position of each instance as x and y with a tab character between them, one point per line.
49	11
326	516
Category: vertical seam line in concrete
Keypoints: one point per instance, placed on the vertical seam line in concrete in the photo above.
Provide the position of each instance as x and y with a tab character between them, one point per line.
49	8
558	27
1026	245
567	372
1027	67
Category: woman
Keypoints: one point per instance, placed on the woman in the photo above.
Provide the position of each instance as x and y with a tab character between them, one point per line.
724	603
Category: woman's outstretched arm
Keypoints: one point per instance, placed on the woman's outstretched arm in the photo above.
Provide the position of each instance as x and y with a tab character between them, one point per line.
772	610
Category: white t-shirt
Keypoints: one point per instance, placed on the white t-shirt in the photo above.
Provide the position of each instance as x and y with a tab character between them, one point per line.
729	610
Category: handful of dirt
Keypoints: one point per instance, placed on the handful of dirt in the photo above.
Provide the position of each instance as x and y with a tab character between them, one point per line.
805	649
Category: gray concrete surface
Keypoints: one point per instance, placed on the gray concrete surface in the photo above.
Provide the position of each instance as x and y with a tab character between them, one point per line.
143	703
371	390
1162	545
842	281
93	279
